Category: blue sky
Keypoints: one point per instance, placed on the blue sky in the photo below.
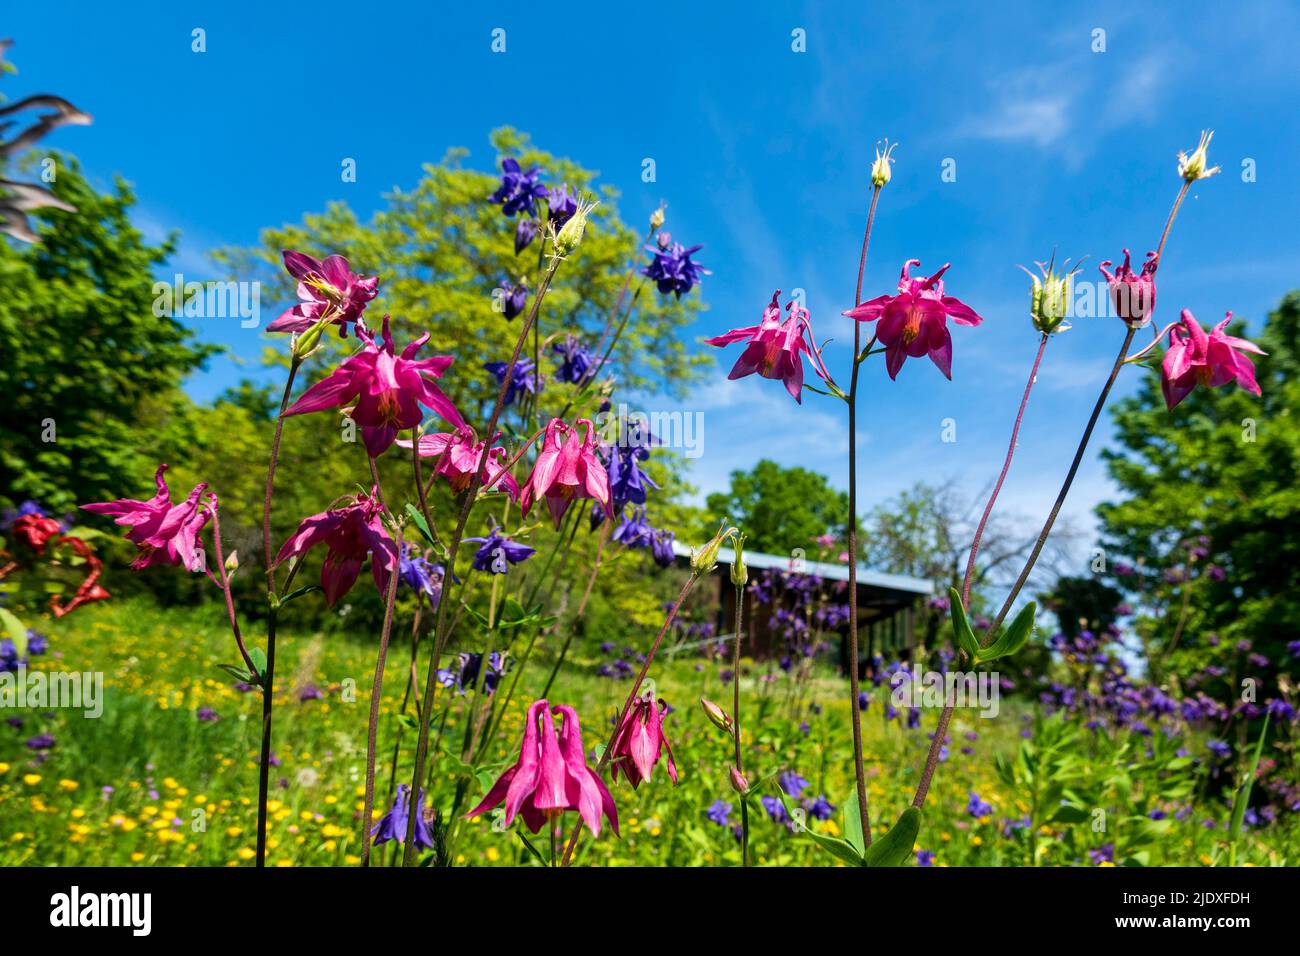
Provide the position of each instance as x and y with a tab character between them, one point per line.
762	154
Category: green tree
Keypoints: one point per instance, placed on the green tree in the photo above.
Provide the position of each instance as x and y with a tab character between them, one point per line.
781	509
1210	518
90	376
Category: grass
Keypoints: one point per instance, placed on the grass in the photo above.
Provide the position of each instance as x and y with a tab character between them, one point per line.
150	783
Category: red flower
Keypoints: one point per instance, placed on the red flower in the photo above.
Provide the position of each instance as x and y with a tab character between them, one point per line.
1195	358
640	742
567	469
551	776
914	322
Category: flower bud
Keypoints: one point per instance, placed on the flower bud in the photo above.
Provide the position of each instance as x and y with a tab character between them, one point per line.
657	218
1193	167
1133	294
738	782
232	562
306	343
719	717
1049	297
739	573
705	558
570	234
881	172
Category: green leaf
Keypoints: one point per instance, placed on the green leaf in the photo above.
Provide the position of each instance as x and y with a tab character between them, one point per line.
853	824
1068	814
961	627
298	592
1243	789
895	847
1013	638
420	524
16	630
833	845
238	673
528	844
258	657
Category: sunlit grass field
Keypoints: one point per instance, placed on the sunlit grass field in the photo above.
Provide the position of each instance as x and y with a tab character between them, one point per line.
167	776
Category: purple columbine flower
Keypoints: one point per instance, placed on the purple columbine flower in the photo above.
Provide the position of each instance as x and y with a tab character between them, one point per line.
561	206
977	807
718	812
513	297
207	715
627	482
1280	709
792	783
1102	854
820	808
310	692
924	858
525	233
662	548
463	675
419	575
635	531
577	362
497	552
775	809
672	268
524	380
519	190
393	824
41	742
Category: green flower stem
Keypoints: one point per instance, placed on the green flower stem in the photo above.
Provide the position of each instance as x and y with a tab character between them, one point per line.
268	682
735	724
859	767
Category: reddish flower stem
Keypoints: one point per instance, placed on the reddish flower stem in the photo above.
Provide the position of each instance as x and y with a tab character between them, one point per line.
225	583
376	691
627	704
441	631
1006	467
945	716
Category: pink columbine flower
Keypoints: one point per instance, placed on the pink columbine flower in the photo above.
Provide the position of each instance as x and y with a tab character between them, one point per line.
1134	294
327	286
459	454
567	469
164	533
1195	358
640	742
388	390
914	322
349	533
551	776
774	348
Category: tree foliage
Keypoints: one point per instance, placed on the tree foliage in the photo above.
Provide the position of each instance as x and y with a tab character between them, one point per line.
90	376
780	508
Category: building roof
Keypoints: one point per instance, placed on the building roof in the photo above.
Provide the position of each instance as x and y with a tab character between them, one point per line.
822	569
